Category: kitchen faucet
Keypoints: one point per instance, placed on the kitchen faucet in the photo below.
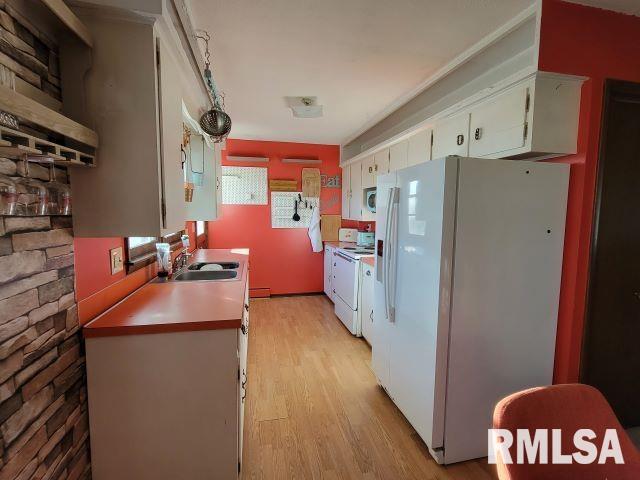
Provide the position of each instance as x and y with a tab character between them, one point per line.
182	259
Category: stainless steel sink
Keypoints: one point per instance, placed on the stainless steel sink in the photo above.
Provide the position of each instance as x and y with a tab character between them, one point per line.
215	275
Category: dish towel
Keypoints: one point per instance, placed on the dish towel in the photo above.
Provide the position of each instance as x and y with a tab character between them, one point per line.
314	230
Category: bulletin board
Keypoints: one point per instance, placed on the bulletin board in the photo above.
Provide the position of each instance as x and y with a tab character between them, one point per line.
282	208
244	186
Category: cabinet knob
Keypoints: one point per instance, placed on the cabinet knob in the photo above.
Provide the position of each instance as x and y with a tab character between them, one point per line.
376	167
370	169
460	139
368	273
478	133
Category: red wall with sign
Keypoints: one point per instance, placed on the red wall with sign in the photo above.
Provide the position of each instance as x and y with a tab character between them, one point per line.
598	44
281	259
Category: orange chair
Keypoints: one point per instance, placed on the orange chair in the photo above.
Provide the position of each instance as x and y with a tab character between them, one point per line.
568	407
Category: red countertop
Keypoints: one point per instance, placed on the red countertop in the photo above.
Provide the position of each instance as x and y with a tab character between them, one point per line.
369	260
161	307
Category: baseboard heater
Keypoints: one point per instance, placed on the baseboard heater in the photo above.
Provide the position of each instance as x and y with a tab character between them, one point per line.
259	292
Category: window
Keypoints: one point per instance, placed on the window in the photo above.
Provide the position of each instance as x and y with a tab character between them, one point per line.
138	241
141	251
200	228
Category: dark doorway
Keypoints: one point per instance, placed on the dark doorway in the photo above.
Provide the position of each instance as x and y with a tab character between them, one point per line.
611	350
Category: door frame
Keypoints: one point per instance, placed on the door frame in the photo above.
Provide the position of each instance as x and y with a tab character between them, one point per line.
611	87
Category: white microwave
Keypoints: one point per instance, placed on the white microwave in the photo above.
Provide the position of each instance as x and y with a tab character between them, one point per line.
370	200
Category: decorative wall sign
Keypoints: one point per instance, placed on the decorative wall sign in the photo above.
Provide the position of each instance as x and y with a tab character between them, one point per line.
330	181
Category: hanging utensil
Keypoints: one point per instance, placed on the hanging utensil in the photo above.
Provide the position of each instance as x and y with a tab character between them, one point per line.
296	217
214	122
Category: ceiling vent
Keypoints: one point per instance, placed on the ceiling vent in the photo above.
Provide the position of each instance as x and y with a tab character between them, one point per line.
304	107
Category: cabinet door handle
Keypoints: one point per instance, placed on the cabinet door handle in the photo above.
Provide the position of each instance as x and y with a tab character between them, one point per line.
376	167
371	316
370	169
460	139
368	273
478	133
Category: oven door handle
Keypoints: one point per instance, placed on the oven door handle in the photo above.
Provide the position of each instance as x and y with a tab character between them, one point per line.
344	257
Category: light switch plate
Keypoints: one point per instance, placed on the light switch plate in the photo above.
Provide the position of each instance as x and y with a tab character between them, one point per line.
115	254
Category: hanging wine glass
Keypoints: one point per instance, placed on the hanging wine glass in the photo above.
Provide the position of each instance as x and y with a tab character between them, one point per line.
59	194
33	196
8	195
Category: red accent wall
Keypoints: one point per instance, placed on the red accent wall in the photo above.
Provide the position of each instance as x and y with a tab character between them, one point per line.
281	259
598	44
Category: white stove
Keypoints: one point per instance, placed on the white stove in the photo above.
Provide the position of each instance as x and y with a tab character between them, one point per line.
356	252
346	285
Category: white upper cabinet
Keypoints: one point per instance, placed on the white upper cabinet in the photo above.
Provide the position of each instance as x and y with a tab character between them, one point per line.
500	124
451	136
381	162
134	90
355	198
346	190
170	130
368	172
398	155
533	118
419	148
204	157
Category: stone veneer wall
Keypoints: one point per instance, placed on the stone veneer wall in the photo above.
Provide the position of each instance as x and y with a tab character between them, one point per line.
43	407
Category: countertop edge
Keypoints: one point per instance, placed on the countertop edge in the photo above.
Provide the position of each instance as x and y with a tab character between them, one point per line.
161	328
90	331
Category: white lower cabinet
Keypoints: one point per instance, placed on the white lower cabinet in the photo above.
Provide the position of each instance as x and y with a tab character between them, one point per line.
165	406
328	271
366	301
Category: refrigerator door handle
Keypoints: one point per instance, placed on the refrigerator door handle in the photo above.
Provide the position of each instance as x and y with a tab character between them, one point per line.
385	255
394	195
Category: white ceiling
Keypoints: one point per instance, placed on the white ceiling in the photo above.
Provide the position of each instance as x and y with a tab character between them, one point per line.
631	7
359	57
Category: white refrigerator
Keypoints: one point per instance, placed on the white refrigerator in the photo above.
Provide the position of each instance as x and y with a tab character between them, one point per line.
468	267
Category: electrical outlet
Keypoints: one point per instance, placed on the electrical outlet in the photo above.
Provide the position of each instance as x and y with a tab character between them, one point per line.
116	260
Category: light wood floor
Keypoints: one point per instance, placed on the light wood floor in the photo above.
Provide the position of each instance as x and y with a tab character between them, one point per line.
314	409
